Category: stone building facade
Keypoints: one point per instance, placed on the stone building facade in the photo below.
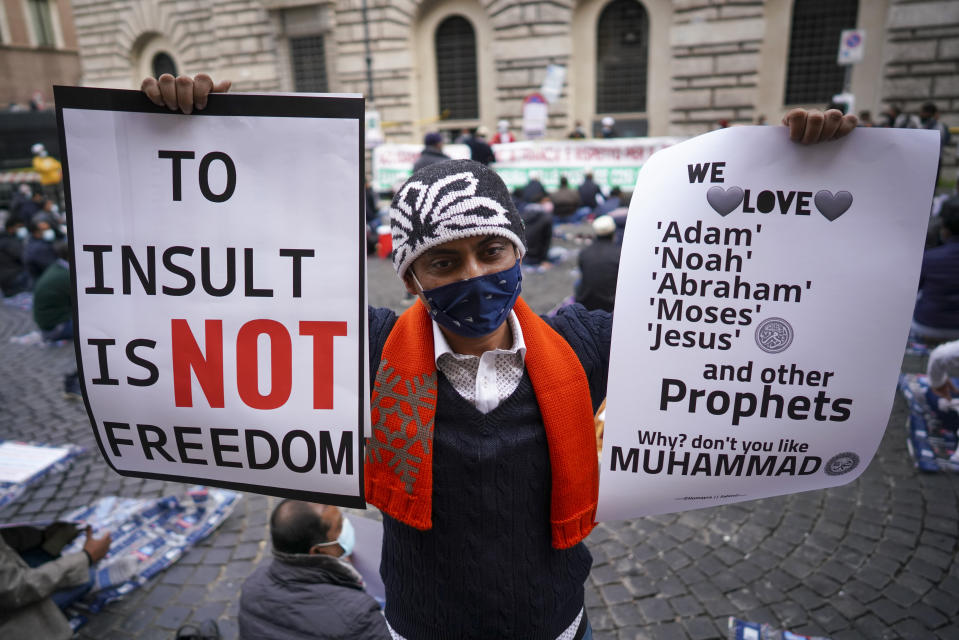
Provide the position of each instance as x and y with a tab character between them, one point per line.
38	48
702	60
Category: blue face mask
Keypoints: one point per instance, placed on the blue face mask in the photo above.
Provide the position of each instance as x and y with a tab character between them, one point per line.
346	539
475	307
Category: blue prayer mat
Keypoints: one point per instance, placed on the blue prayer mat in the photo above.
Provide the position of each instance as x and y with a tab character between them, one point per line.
931	428
149	535
23	464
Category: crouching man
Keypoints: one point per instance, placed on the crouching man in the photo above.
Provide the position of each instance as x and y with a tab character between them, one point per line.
310	589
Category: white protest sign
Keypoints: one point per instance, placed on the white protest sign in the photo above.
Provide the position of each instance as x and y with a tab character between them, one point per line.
219	288
764	298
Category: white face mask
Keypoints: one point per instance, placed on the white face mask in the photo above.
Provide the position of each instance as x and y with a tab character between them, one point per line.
49	235
22	233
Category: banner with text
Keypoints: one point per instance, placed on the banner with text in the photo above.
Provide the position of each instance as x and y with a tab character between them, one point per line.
763	303
219	282
613	163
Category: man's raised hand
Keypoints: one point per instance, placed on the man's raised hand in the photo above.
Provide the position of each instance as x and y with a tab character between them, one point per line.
183	93
812	126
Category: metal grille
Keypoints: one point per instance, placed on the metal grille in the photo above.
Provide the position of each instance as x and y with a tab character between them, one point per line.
308	57
622	45
456	69
813	75
163	63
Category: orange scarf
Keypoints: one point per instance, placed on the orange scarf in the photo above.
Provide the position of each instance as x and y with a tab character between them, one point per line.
399	453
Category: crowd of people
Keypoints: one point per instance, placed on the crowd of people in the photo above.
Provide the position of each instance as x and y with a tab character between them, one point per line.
483	537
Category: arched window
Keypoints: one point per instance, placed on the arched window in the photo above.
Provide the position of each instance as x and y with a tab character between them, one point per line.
813	75
163	63
456	69
622	44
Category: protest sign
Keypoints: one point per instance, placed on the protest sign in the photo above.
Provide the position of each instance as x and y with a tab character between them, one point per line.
613	163
219	283
764	300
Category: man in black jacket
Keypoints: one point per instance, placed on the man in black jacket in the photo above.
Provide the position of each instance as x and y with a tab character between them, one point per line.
432	151
310	589
599	265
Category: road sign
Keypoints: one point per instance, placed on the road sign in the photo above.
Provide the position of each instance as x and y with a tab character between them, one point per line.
851	46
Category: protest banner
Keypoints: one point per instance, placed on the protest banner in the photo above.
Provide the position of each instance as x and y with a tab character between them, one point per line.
764	300
613	163
219	282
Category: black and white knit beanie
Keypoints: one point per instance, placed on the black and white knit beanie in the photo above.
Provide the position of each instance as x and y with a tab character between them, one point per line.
447	201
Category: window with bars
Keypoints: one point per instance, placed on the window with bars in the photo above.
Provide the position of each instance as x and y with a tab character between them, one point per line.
622	46
308	59
42	22
163	63
456	69
813	75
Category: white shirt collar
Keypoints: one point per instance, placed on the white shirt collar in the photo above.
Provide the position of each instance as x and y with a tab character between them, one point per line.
441	346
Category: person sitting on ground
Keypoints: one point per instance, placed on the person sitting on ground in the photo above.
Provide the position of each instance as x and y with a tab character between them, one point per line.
936	316
590	195
52	309
37	583
480	151
309	589
613	202
534	191
943	366
538	220
22	198
39	253
565	202
13	273
483	528
28	208
599	266
432	151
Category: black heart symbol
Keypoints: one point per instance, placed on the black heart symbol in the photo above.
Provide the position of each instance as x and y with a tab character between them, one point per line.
724	200
832	206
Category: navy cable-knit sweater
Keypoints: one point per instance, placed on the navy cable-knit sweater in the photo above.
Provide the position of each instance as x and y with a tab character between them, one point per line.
487	569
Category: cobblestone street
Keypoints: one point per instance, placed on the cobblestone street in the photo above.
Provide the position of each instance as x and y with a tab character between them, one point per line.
873	559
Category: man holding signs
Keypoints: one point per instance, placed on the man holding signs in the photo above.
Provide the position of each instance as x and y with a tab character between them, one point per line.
481	456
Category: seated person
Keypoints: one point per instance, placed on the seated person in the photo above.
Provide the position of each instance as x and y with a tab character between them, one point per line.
310	589
39	253
534	191
538	220
52	309
13	274
944	364
613	202
36	583
599	265
936	317
566	202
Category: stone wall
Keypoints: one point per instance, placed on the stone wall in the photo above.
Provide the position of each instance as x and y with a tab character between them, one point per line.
25	71
922	59
709	59
716	49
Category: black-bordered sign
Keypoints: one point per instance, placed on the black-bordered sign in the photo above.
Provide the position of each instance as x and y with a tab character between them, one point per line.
218	273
